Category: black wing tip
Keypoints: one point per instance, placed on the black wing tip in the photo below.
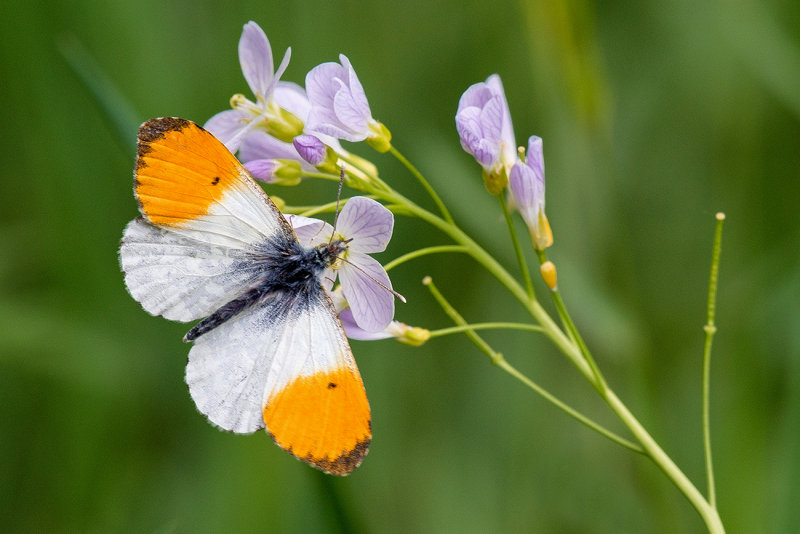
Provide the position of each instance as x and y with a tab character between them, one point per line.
340	466
156	128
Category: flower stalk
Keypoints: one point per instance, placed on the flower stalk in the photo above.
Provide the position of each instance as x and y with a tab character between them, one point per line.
287	123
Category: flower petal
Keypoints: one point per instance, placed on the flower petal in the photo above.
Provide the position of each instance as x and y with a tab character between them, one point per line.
476	95
339	106
309	231
508	142
353	331
368	223
291	97
262	169
260	145
362	280
227	125
534	158
350	117
277	76
310	148
255	57
321	87
355	88
528	193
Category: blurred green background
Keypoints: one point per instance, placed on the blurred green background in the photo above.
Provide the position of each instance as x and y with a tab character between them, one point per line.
655	115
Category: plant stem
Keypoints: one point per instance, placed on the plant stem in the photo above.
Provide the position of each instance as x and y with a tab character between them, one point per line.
485	326
422	252
498	360
425	184
710	330
523	265
576	354
707	512
549	327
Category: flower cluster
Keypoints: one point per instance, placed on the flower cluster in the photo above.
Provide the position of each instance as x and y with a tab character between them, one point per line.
289	131
484	126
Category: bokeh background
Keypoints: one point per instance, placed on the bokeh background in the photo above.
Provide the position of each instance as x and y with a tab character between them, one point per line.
655	115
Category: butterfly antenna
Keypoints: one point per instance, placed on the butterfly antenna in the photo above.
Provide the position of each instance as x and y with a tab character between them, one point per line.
381	284
338	199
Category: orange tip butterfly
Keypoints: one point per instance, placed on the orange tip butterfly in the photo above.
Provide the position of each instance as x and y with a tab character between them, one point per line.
270	351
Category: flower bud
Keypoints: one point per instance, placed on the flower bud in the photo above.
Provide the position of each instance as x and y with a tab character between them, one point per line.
286	127
275	171
495	180
414	336
381	138
310	149
549	274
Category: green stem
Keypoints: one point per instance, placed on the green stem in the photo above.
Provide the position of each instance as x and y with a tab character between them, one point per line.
599	382
422	252
707	512
574	353
322	176
523	265
549	327
485	326
497	359
710	330
424	182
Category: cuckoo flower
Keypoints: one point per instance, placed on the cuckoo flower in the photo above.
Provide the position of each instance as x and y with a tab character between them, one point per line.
366	226
255	56
339	107
484	126
527	189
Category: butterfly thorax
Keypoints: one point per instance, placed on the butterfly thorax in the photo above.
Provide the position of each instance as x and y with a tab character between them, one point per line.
282	265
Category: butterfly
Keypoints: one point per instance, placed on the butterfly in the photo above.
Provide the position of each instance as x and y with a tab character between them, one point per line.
269	351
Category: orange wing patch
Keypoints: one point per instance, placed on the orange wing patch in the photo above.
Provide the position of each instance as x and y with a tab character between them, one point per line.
181	170
322	419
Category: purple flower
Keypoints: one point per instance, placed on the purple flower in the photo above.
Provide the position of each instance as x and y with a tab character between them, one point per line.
310	148
484	127
255	57
339	107
366	226
275	171
410	335
527	189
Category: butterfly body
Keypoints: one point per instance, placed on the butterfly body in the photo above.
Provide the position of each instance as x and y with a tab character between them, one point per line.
269	351
282	265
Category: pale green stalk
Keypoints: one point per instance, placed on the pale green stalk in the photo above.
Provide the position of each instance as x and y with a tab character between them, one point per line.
575	355
427	186
498	360
423	252
485	326
523	265
710	330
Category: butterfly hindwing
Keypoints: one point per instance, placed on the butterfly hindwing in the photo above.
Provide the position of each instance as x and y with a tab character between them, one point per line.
285	364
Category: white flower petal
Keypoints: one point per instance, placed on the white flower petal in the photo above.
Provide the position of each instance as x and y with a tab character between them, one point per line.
368	223
255	57
227	126
364	284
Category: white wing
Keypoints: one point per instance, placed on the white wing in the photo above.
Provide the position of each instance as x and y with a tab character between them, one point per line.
179	277
202	214
285	364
